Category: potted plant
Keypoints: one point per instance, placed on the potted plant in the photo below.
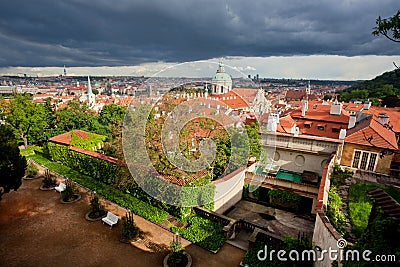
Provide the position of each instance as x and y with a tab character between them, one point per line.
70	194
96	211
129	229
49	181
178	256
31	171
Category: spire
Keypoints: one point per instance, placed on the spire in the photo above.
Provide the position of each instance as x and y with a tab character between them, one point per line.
89	86
90	96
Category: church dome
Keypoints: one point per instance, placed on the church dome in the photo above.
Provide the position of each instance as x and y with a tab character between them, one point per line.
221	82
222	77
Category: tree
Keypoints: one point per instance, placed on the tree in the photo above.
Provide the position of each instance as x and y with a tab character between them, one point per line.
389	27
112	114
12	164
77	116
391	101
26	117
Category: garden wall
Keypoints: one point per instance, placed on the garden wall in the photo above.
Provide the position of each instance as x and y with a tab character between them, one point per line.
228	190
325	236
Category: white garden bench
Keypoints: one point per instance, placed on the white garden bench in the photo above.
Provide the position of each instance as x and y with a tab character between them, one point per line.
110	219
61	187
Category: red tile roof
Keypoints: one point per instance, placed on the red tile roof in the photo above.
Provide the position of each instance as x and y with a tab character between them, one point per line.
319	115
248	94
293	94
231	99
96	155
322	113
352	106
287	122
393	113
65	138
371	133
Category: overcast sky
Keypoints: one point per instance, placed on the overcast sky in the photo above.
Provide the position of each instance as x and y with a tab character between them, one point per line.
81	33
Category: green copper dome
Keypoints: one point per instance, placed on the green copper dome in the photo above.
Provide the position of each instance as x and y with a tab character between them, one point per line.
221	75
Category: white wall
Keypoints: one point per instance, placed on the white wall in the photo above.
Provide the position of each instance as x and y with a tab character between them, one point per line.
228	191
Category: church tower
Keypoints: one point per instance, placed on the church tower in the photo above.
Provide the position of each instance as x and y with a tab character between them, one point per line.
90	96
221	83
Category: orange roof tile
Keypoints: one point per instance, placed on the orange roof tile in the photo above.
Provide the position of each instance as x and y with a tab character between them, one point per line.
321	113
352	106
65	138
293	94
371	133
287	122
231	99
96	155
393	113
247	94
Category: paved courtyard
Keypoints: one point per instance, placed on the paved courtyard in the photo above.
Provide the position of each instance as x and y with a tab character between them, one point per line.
37	230
284	224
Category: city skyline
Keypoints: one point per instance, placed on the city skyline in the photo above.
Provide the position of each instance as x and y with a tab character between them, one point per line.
312	40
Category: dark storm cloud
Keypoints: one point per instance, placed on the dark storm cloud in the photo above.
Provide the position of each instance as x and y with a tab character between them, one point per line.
123	32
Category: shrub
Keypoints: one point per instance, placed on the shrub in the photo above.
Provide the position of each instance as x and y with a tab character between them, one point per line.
203	232
32	170
49	179
129	228
69	191
95	205
334	214
359	215
284	199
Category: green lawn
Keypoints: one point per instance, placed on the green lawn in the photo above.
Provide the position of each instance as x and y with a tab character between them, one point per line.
360	204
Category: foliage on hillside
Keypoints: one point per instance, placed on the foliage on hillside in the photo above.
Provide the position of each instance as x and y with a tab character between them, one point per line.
380	87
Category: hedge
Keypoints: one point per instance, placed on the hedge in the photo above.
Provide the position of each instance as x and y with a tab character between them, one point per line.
284	199
92	143
97	168
203	232
125	200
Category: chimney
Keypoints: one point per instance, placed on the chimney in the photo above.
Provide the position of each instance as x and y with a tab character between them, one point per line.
383	118
352	120
296	131
367	105
342	134
304	108
336	108
273	120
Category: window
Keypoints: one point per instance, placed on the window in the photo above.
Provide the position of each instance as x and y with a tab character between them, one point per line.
299	160
321	128
364	160
307	125
335	130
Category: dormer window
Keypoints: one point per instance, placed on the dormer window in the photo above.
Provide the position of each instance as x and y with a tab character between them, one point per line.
307	125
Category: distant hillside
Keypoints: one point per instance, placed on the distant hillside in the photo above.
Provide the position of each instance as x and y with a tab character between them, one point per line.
387	84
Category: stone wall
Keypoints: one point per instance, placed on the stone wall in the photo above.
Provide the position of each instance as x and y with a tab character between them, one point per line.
325	236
